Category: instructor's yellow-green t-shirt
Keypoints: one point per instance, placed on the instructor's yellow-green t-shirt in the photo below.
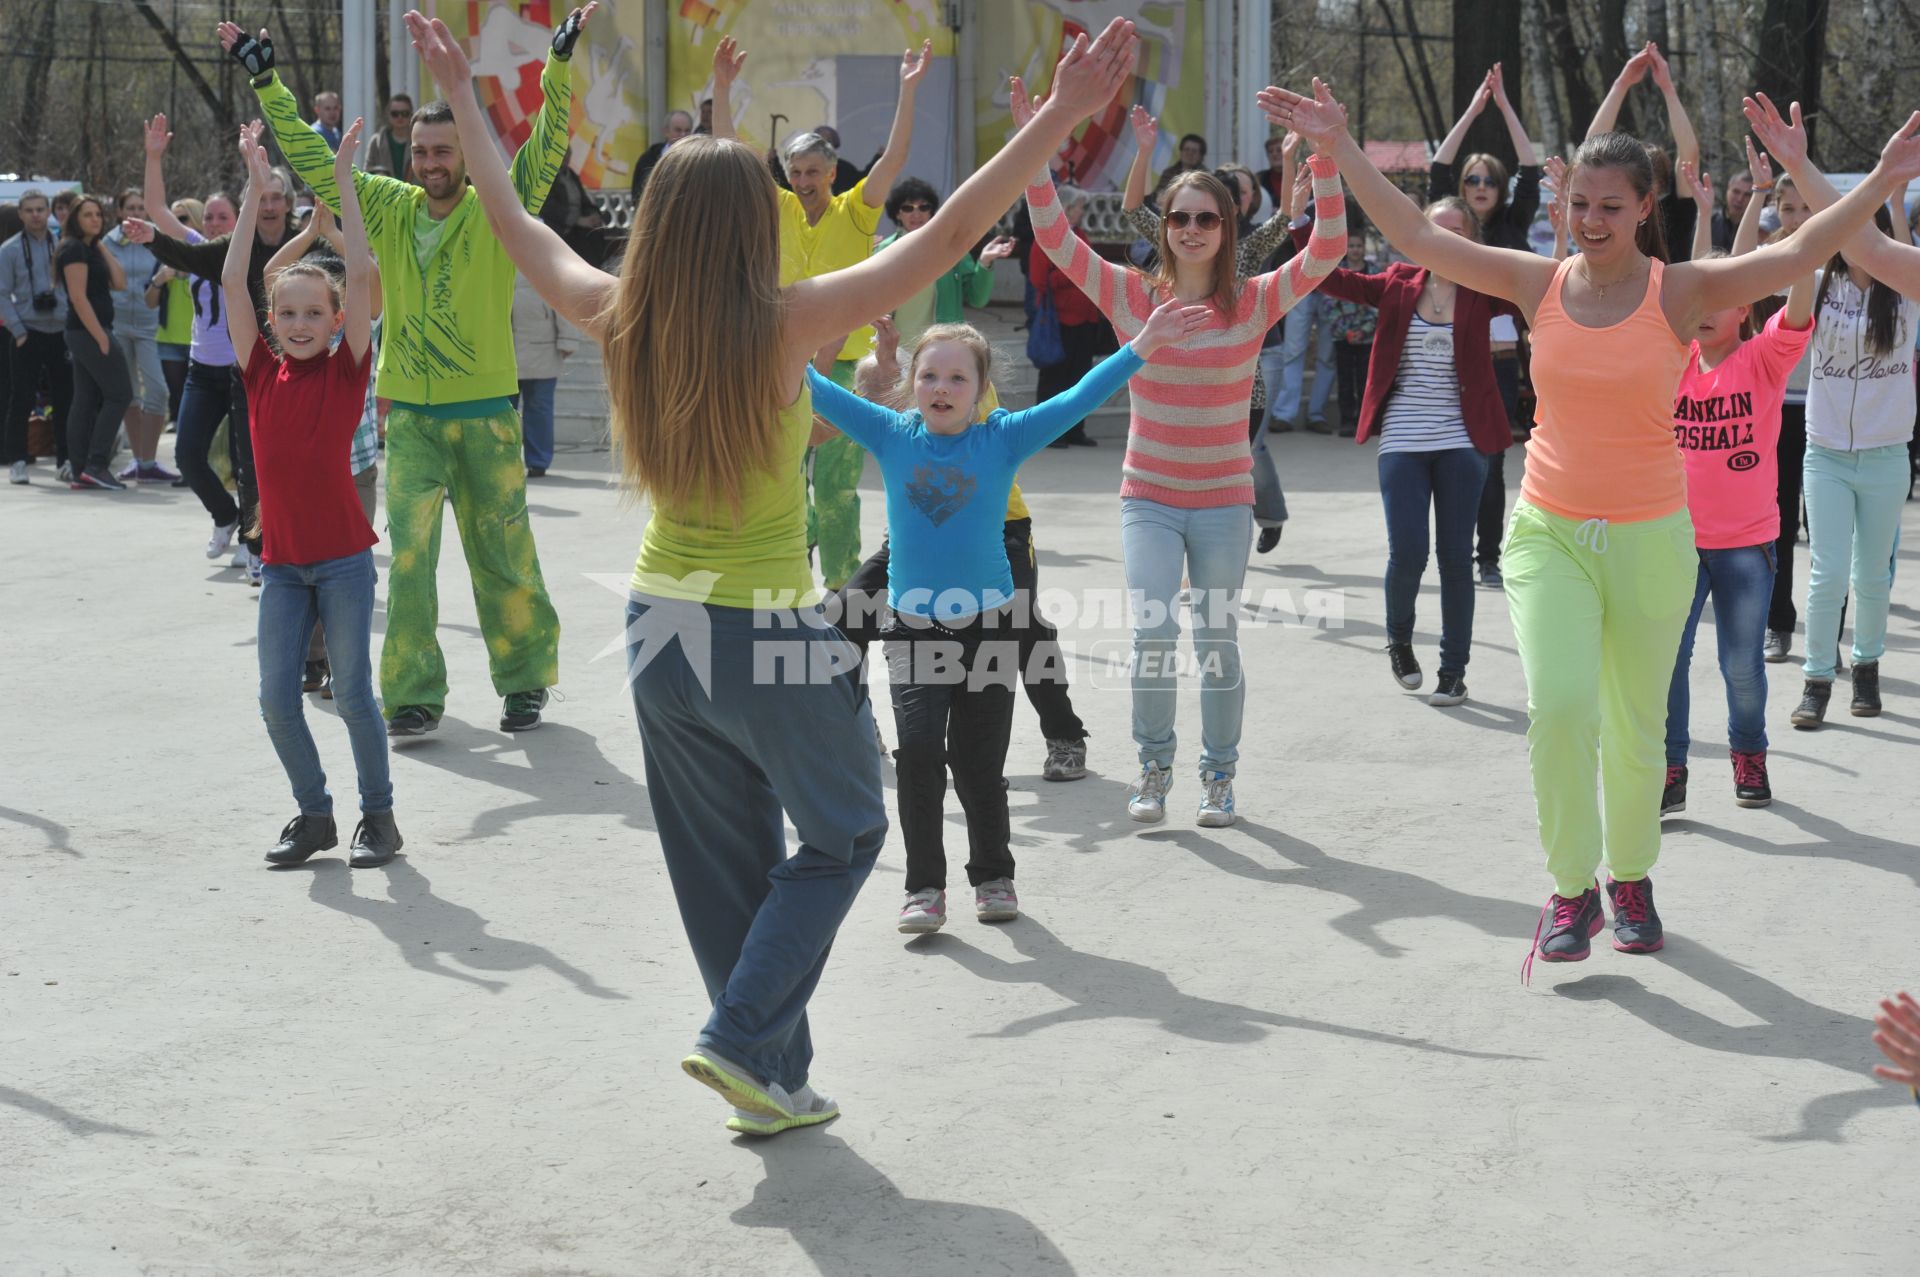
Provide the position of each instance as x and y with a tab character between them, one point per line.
842	237
761	561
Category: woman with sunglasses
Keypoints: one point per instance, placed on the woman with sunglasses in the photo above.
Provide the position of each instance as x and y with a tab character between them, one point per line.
1504	223
1186	493
910	205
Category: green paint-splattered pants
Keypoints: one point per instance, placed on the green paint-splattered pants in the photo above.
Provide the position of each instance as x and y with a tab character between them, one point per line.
478	462
833	497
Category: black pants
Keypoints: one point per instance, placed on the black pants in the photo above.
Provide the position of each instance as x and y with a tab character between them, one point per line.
1043	667
953	707
102	393
1350	362
207	400
240	456
1493	496
1082	344
39	361
1792	455
175	371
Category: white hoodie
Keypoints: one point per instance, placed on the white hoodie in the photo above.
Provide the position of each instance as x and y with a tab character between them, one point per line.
1857	399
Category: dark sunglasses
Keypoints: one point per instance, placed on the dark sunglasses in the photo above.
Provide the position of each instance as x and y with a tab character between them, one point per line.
1205	221
918	206
1480	179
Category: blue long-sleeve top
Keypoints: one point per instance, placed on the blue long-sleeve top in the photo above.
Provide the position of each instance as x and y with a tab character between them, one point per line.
947	494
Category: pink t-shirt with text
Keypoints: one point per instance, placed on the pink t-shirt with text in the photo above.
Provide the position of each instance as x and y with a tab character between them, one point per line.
1727	424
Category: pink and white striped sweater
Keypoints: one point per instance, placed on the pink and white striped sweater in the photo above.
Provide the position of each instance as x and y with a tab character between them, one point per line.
1187	440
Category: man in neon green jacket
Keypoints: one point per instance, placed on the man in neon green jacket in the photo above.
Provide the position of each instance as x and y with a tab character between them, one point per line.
447	365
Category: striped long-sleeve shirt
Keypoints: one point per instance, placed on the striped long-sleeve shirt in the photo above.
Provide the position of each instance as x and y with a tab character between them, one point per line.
1187	440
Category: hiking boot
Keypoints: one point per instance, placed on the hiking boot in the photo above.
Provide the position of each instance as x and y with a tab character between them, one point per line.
1575	922
1866	690
303	836
1750	787
1147	800
1449	689
1406	669
1812	709
995	901
1216	806
1674	797
521	712
1269	537
315	676
376	839
1775	649
925	911
1636	923
412	720
1066	760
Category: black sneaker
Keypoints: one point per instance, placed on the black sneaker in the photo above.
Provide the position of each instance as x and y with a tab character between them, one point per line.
1269	537
303	836
1636	923
1449	689
1750	787
1406	670
521	713
1575	922
315	677
1490	577
1812	710
1866	690
1674	797
375	840
412	720
1778	644
101	477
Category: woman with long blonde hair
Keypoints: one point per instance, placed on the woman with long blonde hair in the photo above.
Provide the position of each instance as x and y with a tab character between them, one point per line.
754	711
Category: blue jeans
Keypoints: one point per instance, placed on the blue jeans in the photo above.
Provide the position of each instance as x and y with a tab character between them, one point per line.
535	402
339	594
1854	501
1161	543
1449	482
1269	499
207	399
734	738
1741	582
1313	311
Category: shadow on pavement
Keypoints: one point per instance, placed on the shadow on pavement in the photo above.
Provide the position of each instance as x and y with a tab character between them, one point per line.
1828	840
58	836
850	1218
73	1122
568	776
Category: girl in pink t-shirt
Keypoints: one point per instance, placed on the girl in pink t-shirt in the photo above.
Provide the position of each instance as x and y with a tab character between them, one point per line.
1726	422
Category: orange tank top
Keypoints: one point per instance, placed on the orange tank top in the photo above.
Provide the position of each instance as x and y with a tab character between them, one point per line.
1602	445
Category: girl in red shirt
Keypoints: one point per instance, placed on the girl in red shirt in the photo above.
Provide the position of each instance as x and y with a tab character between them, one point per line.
305	395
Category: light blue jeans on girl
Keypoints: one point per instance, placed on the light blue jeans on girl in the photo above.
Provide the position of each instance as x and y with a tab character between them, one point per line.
1854	501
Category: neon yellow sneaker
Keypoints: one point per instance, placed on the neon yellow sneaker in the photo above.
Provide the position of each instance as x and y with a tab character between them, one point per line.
759	1108
805	1107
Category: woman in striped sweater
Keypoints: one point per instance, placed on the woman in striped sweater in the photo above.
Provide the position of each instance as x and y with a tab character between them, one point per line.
1187	491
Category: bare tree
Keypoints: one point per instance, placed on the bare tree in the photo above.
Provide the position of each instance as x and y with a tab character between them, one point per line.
1793	44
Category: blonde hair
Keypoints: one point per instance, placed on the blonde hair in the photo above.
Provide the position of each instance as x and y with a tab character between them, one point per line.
1226	284
190	210
1454	204
693	415
335	286
965	335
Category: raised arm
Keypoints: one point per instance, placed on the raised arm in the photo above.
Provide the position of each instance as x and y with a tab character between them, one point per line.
1686	143
242	327
538	163
728	59
886	170
1263	242
358	331
1146	131
1631	74
1699	186
1746	236
1325	248
556	272
1450	145
1086	80
1031	429
154	178
1523	152
294	248
1520	277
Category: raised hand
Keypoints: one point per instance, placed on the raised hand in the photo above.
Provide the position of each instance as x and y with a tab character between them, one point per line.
343	158
1786	138
728	59
1662	73
1090	74
568	32
1022	107
1146	129
323	224
1758	166
1171	323
886	342
1699	185
1290	144
136	231
996	249
255	130
913	66
1481	95
1301	192
440	51
1900	157
1497	81
1319	119
1636	68
1898	1037
255	53
157	136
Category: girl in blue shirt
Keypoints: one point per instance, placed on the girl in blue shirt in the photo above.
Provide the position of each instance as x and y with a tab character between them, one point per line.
952	651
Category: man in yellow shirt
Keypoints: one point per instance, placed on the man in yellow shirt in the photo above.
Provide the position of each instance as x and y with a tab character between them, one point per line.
821	232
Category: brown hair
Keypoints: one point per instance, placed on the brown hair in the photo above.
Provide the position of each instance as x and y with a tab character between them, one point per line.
1496	169
692	416
1746	324
1226	284
72	219
1883	301
307	270
1626	152
1455	204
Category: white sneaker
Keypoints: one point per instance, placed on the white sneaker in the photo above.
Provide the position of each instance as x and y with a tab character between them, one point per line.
222	538
925	911
18	473
1147	800
239	559
253	568
995	901
64	472
1216	808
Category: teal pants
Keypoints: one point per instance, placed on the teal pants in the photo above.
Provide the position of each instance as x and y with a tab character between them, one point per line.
833	497
1598	609
1854	500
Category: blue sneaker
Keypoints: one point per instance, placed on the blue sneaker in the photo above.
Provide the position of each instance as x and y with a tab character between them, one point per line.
1216	808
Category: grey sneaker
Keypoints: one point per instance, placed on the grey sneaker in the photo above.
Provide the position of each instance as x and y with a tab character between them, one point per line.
1216	808
375	840
17	473
303	836
995	901
1147	800
1778	644
1066	760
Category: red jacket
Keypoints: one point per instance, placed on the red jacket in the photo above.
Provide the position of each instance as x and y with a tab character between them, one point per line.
1396	292
1069	303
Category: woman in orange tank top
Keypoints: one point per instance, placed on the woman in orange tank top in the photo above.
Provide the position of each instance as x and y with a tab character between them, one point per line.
1600	555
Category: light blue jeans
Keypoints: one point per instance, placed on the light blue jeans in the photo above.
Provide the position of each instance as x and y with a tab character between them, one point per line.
1161	544
1312	313
1853	527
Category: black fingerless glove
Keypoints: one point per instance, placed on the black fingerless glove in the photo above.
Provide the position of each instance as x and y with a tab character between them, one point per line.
564	36
255	54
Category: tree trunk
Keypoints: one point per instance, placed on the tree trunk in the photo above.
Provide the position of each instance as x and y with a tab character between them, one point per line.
1612	48
1564	48
1793	45
1715	134
1485	33
1657	25
184	62
1552	126
1420	84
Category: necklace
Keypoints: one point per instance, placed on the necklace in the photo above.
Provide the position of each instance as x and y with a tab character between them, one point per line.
1596	285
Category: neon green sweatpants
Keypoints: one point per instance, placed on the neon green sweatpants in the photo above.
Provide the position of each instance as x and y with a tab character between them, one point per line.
478	462
1597	612
833	497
